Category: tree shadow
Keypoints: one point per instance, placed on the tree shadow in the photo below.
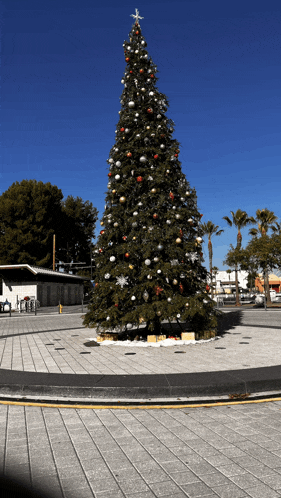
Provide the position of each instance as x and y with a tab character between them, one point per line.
228	321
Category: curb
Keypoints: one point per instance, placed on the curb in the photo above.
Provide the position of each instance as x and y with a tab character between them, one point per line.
141	387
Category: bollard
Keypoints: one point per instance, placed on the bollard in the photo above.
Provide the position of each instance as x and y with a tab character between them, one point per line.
60	306
10	309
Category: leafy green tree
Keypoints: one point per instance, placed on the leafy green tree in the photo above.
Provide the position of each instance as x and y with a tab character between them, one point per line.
78	232
240	219
211	229
265	220
149	260
30	213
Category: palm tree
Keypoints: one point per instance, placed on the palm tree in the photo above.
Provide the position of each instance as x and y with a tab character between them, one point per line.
211	229
266	220
215	271
240	219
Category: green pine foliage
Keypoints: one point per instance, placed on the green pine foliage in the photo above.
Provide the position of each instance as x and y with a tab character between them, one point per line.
148	255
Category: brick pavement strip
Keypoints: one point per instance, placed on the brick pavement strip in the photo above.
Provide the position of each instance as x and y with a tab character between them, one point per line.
30	343
104	453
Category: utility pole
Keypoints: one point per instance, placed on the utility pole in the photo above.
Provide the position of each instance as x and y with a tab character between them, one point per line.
54	252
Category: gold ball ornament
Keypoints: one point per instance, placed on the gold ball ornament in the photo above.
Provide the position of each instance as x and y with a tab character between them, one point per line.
175	281
153	190
178	240
131	267
134	238
102	223
122	199
114	191
186	305
158	313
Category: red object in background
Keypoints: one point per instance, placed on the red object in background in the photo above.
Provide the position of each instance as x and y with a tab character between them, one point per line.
139	179
100	250
152	76
96	284
131	72
171	195
109	174
150	111
176	155
127	255
141	71
156	156
207	288
181	288
122	129
155	216
127	59
124	237
201	215
101	232
181	232
116	305
137	32
129	154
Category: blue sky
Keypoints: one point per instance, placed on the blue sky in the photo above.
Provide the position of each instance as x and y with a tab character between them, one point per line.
219	66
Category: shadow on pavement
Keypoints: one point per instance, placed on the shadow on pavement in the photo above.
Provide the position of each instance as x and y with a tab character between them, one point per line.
228	321
13	488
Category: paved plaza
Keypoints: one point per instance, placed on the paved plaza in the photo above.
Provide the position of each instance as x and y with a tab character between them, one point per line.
231	451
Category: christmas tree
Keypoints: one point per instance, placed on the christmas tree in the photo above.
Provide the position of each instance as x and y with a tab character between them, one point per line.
148	255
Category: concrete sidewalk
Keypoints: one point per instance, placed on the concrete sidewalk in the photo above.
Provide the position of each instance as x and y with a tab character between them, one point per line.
46	357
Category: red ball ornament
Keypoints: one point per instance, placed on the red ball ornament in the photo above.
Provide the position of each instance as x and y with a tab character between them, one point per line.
152	76
131	72
116	305
155	216
109	174
137	32
96	284
129	154
150	111
100	250
122	129
139	179
171	195
201	215
181	288
101	232
176	155
127	59
156	156
207	288
124	237
141	71
127	255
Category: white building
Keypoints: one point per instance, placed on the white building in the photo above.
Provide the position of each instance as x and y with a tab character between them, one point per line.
225	282
47	286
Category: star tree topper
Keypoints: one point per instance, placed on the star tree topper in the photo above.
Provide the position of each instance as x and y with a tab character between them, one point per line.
137	16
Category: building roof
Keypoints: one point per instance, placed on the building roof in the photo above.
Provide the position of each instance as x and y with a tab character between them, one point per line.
37	270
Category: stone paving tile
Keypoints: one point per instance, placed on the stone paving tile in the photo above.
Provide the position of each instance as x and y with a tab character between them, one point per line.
262	491
31	352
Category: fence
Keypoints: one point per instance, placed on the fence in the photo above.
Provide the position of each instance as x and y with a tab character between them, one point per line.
32	307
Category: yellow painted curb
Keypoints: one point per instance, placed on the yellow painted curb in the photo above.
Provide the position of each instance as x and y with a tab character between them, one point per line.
137	407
